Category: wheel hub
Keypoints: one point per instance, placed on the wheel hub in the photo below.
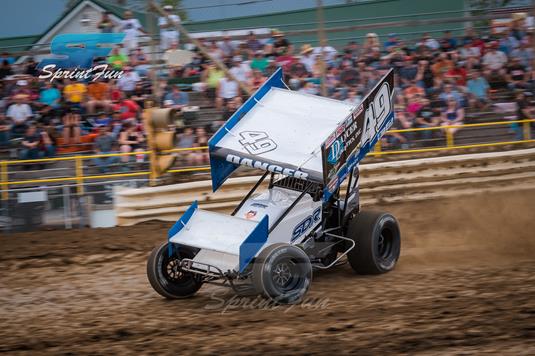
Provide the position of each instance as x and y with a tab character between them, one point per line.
281	274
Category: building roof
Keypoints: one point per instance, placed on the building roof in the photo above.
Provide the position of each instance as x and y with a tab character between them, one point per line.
22	43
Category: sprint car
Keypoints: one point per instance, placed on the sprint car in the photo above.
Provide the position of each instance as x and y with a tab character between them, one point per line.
297	218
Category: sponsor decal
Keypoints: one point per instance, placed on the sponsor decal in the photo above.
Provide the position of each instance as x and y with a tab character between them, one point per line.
250	214
258	205
335	151
333	184
266	166
306	224
359	132
76	54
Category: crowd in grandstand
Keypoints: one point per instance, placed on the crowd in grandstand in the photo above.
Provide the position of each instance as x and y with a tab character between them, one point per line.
439	79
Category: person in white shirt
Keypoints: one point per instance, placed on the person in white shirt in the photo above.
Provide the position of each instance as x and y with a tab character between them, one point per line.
307	58
494	60
131	28
128	80
227	90
240	70
168	32
19	113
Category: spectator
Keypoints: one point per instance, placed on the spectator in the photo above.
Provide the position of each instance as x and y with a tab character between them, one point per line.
493	59
20	114
448	43
429	42
130	140
98	93
211	76
468	51
103	145
187	140
199	157
256	80
74	94
127	108
353	98
36	144
178	98
391	42
456	74
30	144
5	69
307	58
453	114
227	90
253	44
226	47
371	43
50	96
168	32
517	75
450	92
441	66
478	89
5	128
425	76
140	62
131	28
280	44
427	117
105	25
127	82
525	111
525	54
408	72
103	120
117	60
240	70
259	62
71	127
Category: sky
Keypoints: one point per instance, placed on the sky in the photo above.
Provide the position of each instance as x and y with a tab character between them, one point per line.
43	13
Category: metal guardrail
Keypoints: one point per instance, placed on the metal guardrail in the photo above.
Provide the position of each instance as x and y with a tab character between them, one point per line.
80	178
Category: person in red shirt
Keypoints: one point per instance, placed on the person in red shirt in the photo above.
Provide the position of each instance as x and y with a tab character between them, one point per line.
128	108
457	74
285	60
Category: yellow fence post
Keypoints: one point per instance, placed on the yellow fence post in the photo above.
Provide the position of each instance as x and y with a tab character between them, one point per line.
79	169
5	179
449	138
527	130
378	148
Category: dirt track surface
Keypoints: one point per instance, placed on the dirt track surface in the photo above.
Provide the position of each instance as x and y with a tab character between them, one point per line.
465	283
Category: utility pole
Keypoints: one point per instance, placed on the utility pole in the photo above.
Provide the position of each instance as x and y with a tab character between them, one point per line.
153	56
200	46
533	33
323	44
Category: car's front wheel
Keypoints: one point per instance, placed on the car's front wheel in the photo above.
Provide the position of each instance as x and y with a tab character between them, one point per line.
283	273
167	277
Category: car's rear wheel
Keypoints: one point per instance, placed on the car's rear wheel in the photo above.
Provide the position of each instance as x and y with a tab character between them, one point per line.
378	242
283	273
167	277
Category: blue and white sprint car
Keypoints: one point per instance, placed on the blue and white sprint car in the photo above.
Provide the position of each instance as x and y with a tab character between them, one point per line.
297	218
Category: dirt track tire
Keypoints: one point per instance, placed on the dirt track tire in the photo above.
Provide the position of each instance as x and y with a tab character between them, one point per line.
377	242
282	273
167	278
